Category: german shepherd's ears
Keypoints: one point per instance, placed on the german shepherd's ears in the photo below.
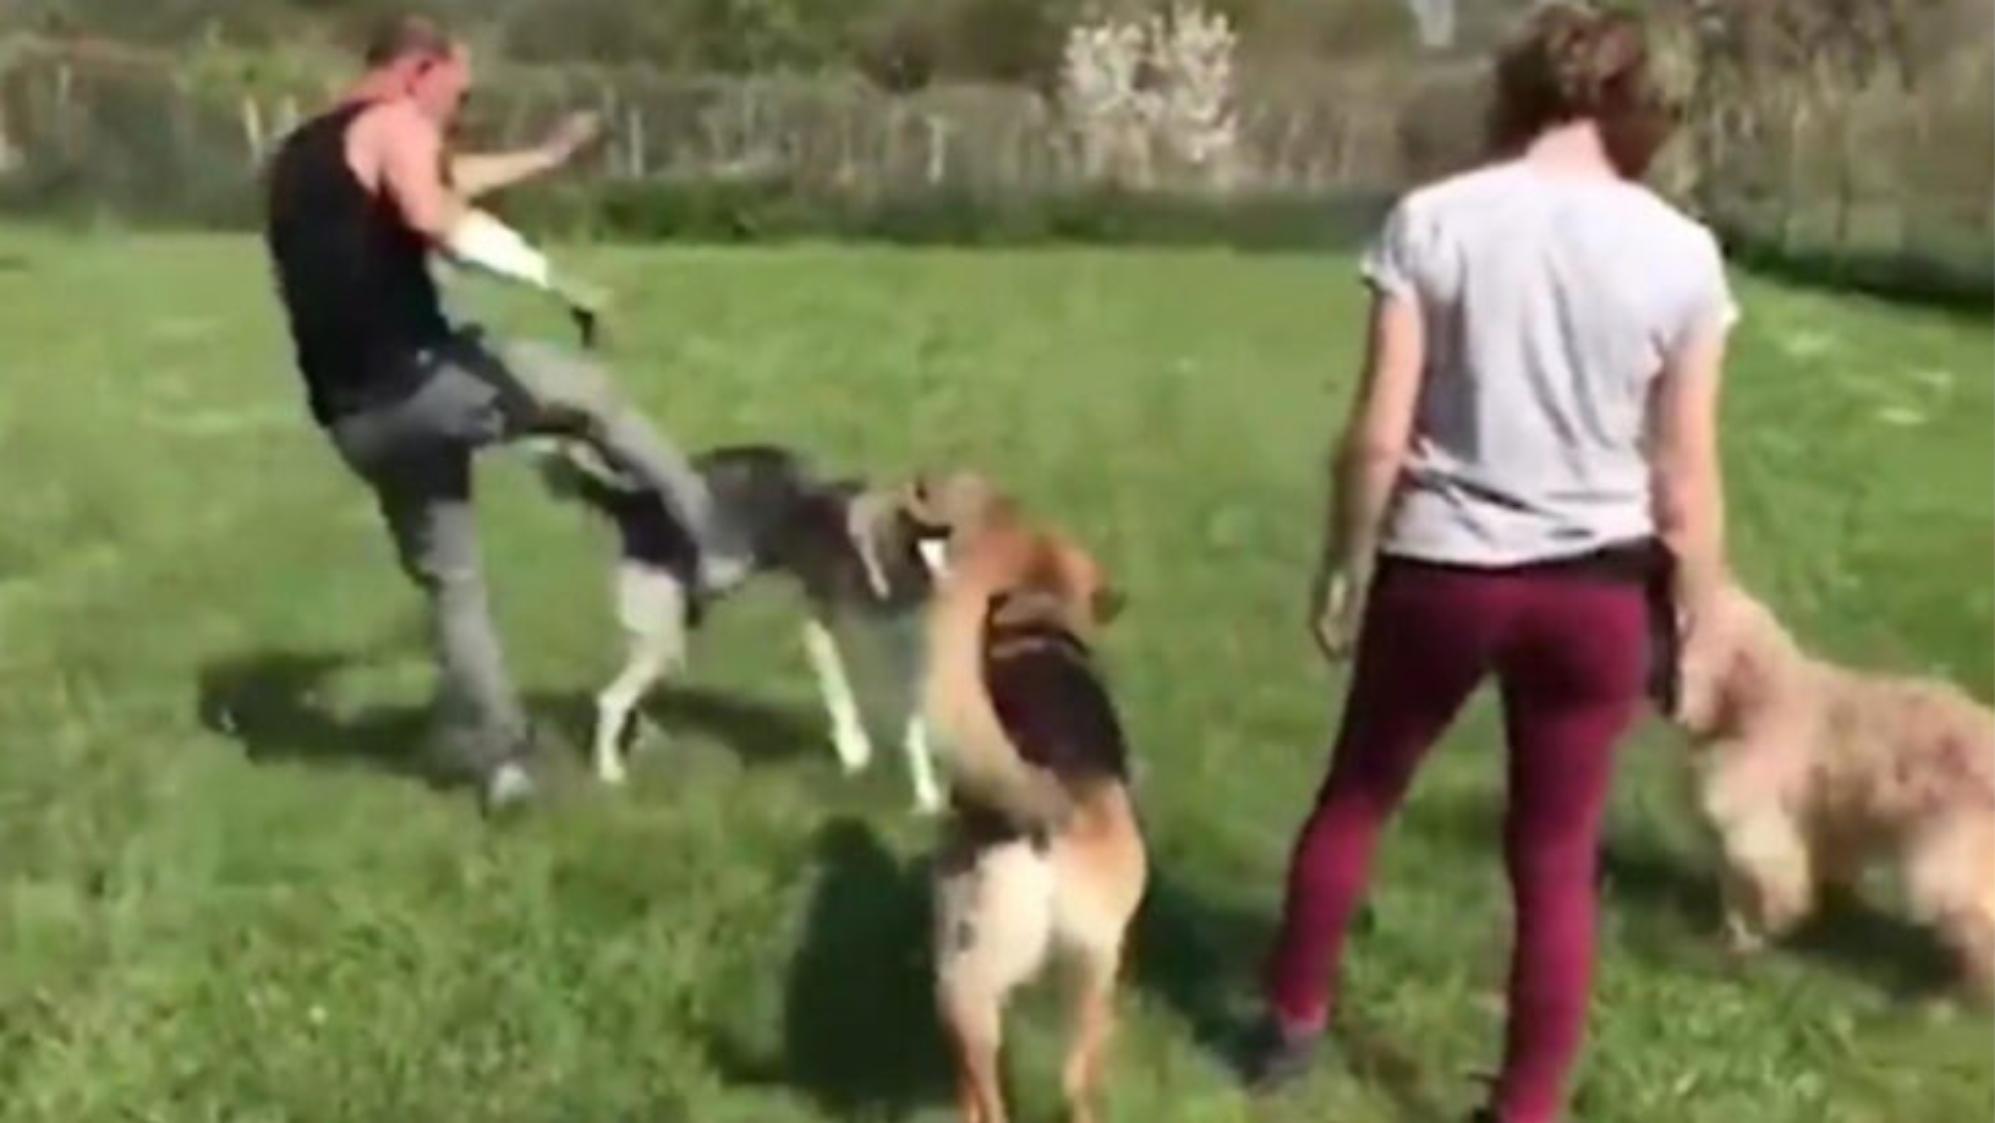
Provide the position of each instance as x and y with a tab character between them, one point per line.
1107	603
1088	584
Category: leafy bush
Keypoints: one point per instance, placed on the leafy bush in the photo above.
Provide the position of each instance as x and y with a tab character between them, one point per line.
773	209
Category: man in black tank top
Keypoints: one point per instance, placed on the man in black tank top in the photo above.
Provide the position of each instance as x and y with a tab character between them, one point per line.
359	198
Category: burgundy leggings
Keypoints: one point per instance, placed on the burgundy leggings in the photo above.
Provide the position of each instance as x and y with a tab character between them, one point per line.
1569	650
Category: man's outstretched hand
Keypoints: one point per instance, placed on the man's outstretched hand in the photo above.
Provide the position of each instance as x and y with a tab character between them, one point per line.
574	133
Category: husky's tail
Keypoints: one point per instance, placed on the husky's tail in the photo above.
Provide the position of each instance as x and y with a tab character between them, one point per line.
571	470
649	534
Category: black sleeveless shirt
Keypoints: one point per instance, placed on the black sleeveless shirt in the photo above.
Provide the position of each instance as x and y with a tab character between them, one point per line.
353	276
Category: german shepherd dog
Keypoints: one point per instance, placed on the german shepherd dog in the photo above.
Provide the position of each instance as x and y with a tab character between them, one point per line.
1042	854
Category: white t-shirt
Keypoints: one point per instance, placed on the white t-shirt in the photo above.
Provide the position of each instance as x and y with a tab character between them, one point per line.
1550	304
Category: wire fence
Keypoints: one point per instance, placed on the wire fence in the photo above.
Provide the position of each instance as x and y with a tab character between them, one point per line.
1883	177
104	117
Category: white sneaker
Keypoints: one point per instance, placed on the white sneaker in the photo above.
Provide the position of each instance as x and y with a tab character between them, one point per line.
509	787
719	572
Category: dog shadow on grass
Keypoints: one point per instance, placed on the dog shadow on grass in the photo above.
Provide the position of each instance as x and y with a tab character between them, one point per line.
1673	900
756	730
859	1034
1202	959
270	703
1847	933
273	704
1198	958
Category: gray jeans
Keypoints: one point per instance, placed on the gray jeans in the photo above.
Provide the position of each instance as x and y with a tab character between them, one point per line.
417	455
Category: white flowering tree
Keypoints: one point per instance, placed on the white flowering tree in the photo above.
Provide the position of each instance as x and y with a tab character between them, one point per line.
1153	94
1435	20
1098	90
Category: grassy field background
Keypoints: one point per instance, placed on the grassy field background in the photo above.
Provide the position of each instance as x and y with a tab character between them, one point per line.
260	916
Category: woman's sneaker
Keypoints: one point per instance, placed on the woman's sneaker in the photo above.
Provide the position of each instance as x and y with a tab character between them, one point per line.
1278	1055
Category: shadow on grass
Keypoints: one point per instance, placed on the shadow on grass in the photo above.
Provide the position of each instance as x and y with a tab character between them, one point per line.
757	730
268	702
1379	1061
859	1026
1847	933
271	703
1203	960
1677	897
860	1034
1200	959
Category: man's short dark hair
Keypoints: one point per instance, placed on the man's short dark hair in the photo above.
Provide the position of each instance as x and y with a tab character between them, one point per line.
407	36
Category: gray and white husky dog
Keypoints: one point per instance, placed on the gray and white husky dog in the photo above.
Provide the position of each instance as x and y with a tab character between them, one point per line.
865	566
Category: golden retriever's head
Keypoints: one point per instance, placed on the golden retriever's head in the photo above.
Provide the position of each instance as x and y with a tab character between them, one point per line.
1094	599
1733	658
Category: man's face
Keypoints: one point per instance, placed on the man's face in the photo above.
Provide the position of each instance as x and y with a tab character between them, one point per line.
438	85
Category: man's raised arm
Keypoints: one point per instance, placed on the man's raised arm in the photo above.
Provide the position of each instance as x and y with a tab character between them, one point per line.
409	150
475	174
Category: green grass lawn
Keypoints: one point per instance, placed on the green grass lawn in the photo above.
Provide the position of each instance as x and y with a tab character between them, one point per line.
264	918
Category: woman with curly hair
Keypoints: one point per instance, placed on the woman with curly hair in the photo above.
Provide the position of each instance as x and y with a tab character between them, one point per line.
1533	442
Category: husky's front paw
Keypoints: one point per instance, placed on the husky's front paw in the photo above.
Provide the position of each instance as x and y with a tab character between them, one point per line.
610	770
854	749
1743	939
929	798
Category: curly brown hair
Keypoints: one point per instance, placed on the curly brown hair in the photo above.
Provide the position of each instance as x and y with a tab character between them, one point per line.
1576	62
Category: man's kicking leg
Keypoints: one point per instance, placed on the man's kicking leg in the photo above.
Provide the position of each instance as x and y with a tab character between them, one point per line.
547	389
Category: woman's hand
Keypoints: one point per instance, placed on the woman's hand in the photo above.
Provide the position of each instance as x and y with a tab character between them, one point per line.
1697	586
1337	610
1366	474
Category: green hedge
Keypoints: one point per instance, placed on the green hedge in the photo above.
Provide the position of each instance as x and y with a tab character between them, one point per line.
753	211
1960	276
771	211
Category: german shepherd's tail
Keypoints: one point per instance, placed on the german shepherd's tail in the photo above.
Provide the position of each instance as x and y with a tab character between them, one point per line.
1062	740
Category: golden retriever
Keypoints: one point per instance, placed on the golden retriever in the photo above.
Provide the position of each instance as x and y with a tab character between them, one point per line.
1808	771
